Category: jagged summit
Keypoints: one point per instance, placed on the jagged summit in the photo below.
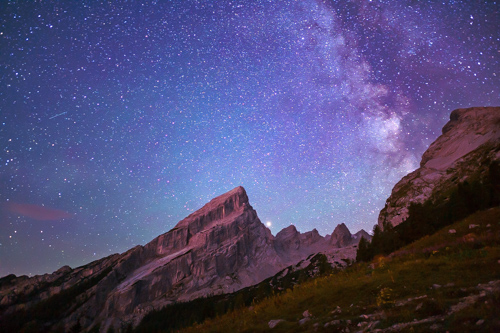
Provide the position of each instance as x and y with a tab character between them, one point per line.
341	236
362	233
341	227
287	232
217	209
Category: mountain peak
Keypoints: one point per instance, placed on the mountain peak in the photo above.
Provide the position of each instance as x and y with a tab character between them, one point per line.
341	228
362	233
289	231
217	209
341	236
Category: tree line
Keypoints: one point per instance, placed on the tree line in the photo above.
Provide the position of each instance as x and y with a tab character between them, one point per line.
428	217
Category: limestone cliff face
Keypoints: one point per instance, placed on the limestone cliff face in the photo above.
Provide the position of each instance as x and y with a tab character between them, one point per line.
468	146
220	248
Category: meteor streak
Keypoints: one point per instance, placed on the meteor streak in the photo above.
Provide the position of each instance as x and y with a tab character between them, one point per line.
57	115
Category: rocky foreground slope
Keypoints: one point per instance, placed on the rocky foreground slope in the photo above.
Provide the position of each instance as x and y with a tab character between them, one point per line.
468	150
221	248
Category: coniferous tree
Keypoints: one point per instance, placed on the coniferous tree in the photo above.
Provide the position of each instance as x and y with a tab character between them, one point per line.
364	252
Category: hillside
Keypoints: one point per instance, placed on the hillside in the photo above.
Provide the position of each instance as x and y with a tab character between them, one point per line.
449	281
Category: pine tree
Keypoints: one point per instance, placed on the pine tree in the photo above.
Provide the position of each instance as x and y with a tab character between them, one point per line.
365	252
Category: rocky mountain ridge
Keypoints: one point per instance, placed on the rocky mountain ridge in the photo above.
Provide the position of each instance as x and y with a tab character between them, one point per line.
220	248
468	150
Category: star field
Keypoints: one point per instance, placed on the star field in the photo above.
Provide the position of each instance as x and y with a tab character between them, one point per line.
119	119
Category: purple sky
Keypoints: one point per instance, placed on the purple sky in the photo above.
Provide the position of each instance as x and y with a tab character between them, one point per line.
119	119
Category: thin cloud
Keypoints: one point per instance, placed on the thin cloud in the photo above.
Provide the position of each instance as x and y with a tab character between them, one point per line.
36	212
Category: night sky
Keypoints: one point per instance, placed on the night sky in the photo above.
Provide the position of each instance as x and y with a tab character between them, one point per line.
119	119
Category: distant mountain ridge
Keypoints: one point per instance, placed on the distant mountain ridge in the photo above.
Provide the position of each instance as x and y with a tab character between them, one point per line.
220	248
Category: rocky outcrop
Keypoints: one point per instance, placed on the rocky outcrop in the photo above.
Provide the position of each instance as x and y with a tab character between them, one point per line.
341	236
288	239
220	248
467	150
362	233
293	246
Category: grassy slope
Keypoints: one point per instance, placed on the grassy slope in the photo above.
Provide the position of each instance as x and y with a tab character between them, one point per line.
379	292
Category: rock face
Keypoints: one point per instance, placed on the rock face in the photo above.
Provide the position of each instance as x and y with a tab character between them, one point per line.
292	246
341	236
357	236
221	248
466	150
